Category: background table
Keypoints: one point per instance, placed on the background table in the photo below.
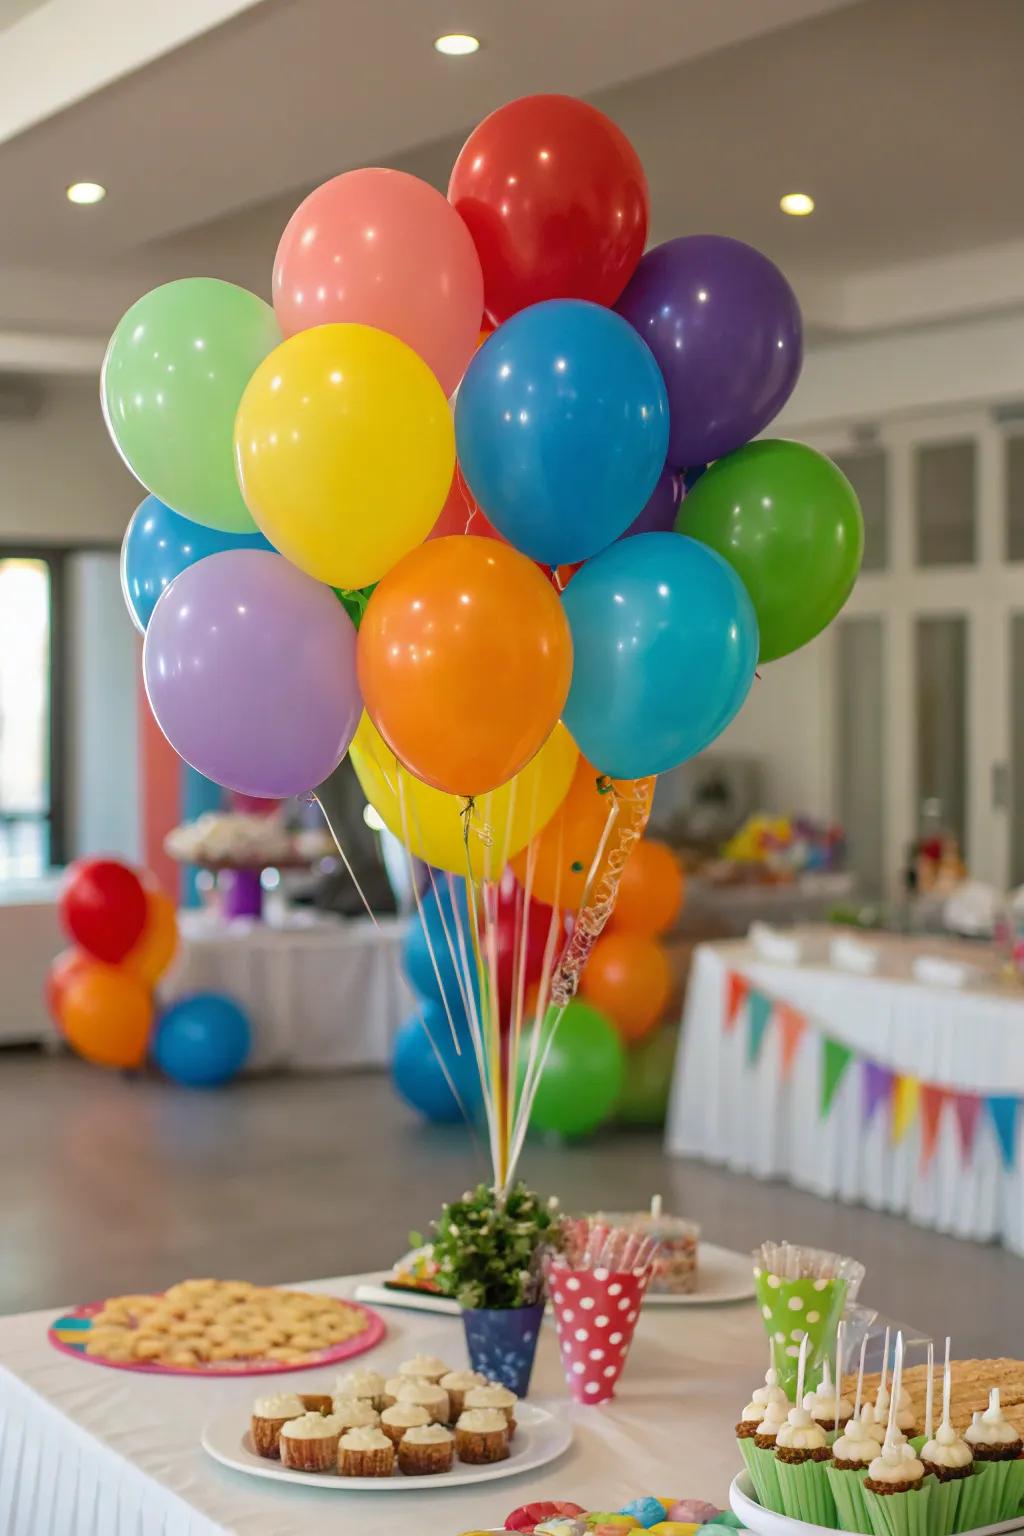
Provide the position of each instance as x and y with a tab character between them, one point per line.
89	1451
755	1120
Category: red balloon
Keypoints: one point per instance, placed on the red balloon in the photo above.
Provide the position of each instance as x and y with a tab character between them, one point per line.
462	513
253	805
510	919
557	203
103	907
68	965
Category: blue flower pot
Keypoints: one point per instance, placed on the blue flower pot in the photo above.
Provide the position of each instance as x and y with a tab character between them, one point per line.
502	1342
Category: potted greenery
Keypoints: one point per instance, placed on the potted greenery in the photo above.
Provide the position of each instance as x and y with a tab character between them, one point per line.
490	1254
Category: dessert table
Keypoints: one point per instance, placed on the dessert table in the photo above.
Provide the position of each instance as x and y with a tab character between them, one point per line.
758	1112
90	1451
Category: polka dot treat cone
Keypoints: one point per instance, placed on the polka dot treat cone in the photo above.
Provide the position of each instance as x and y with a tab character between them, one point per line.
803	1291
595	1315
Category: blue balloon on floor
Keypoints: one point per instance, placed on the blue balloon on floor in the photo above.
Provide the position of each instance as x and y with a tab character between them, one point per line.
440	925
159	545
417	1073
202	1041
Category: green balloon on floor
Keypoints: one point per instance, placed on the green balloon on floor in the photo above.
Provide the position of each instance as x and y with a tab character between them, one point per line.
583	1075
648	1079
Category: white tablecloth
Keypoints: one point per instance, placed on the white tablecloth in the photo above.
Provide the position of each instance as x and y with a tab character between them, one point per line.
89	1451
320	992
756	1121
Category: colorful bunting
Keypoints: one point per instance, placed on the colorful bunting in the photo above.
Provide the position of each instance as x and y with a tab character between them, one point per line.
1003	1114
759	1012
876	1086
968	1110
736	995
933	1102
791	1025
835	1059
905	1093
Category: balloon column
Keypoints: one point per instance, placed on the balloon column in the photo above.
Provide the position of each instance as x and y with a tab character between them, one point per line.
313	445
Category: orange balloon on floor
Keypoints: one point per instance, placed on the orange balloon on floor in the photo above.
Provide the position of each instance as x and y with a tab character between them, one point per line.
628	977
63	970
155	949
567	846
650	892
465	659
106	1015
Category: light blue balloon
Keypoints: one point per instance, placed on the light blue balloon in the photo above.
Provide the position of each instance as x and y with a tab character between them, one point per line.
159	544
562	428
436	935
665	645
202	1041
417	1073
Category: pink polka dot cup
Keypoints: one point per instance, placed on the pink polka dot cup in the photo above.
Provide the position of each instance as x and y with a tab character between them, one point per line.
596	1311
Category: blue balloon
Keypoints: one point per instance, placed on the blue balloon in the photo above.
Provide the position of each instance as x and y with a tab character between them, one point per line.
665	645
202	1040
439	923
417	1073
159	544
562	428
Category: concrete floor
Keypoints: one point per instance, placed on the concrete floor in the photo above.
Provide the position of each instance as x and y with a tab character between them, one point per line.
116	1185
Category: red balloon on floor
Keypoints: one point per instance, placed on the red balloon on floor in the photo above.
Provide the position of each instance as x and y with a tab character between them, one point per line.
103	906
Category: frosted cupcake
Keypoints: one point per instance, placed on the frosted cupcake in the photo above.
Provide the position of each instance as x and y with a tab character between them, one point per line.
896	1470
753	1413
905	1420
355	1413
827	1406
426	1450
800	1439
392	1387
269	1416
365	1453
426	1394
424	1368
365	1386
494	1396
310	1443
457	1384
400	1417
852	1455
947	1457
991	1436
481	1435
857	1447
775	1415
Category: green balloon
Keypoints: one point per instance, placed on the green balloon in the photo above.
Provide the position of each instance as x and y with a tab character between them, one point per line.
174	372
789	523
582	1078
645	1092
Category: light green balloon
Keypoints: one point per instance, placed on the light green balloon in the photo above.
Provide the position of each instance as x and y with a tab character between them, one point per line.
582	1077
174	373
648	1081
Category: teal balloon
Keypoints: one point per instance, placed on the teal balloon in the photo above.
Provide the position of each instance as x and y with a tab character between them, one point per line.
583	1075
159	544
665	645
445	1094
648	1079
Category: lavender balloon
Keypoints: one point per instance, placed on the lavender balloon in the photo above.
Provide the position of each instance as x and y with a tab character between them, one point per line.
250	668
659	515
725	328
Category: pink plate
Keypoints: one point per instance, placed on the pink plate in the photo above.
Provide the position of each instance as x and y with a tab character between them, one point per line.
70	1332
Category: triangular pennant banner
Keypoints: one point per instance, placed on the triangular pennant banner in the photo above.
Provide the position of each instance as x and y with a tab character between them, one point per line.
968	1109
835	1059
876	1086
759	1012
791	1025
905	1093
933	1101
737	988
1003	1114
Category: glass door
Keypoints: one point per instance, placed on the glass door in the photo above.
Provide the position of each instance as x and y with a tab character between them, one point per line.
26	799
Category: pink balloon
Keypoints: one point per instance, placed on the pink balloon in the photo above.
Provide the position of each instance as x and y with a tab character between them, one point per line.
383	248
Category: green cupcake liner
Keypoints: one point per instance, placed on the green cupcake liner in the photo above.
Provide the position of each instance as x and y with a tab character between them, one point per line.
900	1514
945	1502
761	1466
848	1494
992	1493
806	1492
918	1441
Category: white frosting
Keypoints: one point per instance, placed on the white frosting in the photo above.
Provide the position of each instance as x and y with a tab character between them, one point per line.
753	1412
884	1398
775	1415
425	1367
482	1421
394	1385
354	1412
462	1381
360	1384
365	1440
800	1433
490	1397
947	1449
869	1419
771	1392
426	1394
991	1427
827	1404
312	1426
896	1465
286	1405
857	1442
405	1416
428	1434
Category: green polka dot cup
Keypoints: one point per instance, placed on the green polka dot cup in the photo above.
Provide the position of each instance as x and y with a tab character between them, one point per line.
804	1292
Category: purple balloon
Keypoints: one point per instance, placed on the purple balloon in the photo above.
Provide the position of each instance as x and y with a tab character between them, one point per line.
659	515
250	668
726	330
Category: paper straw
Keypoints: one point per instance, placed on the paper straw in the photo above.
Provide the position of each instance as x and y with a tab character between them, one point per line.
930	1392
839	1369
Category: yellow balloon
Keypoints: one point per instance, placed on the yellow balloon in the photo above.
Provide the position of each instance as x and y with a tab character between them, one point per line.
504	820
344	450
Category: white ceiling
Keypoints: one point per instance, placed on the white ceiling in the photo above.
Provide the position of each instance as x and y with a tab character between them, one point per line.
209	119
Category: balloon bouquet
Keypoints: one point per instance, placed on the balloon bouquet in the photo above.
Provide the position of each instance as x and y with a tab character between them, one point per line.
595	608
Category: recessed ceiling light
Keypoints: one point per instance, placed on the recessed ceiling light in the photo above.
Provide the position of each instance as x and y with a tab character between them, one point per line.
85	192
457	44
799	204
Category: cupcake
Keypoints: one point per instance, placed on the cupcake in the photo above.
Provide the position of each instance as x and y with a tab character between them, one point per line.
905	1419
355	1413
758	1449
857	1447
310	1443
775	1415
801	1452
394	1421
494	1396
457	1384
269	1415
365	1453
365	1386
392	1387
481	1435
896	1470
991	1436
425	1394
947	1457
425	1450
753	1413
827	1406
424	1368
800	1439
852	1455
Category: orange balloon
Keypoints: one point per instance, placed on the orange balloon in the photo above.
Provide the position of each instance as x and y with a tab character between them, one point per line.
154	951
650	891
106	1014
465	659
628	977
567	846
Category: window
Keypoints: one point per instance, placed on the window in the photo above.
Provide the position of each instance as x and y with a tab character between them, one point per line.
944	486
31	833
866	472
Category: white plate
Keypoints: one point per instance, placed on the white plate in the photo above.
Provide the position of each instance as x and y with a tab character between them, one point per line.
722	1275
540	1437
764	1522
